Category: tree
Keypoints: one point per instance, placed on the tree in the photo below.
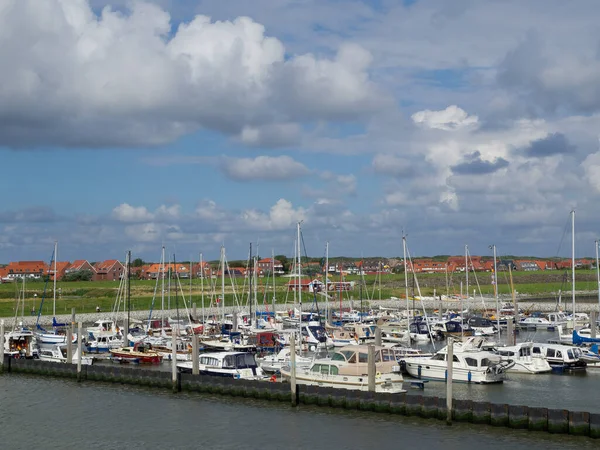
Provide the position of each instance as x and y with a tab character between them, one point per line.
137	262
284	261
80	275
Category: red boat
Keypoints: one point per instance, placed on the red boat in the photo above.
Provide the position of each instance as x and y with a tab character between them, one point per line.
141	353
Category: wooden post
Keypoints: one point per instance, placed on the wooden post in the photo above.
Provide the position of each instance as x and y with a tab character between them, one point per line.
378	336
195	356
371	368
73	316
1	346
510	335
194	311
79	350
174	359
293	369
70	345
593	316
449	368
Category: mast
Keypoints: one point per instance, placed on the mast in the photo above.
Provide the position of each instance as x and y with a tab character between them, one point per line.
598	275
326	284
273	274
222	283
406	283
54	297
299	280
162	270
250	279
496	289
573	263
466	272
202	285
125	338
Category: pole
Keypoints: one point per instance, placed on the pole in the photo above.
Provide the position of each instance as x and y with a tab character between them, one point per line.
223	284
1	346
293	370
378	336
195	356
593	317
405	282
79	350
573	263
598	275
70	345
466	271
449	381
126	334
202	273
250	279
496	290
174	359
54	295
371	368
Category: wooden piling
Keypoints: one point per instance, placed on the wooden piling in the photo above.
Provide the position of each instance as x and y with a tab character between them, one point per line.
70	344
371	368
449	368
293	369
174	359
79	350
377	336
195	356
1	346
593	318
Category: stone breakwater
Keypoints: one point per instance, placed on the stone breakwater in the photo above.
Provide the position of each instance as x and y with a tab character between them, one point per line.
563	421
426	303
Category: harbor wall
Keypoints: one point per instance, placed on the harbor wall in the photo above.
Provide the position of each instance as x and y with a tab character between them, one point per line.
563	421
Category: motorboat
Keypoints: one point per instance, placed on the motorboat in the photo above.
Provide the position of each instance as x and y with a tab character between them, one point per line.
274	362
452	328
348	369
561	357
238	365
140	352
102	343
316	337
58	353
524	359
482	326
536	323
20	343
470	364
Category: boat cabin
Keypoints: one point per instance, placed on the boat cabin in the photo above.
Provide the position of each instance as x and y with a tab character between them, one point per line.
356	358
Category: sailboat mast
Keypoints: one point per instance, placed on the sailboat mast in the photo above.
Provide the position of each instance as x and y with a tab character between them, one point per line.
299	280
326	284
125	338
251	278
406	282
222	284
466	272
496	290
162	270
54	296
273	274
573	263
202	284
598	275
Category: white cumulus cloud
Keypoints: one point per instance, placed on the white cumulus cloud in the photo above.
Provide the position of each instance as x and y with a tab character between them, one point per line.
451	118
263	168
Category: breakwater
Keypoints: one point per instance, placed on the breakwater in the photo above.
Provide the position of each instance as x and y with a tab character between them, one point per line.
496	414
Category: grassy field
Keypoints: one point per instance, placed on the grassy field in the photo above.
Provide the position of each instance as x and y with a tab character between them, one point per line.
85	296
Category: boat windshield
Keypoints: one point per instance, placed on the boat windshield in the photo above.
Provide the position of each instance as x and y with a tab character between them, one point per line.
241	361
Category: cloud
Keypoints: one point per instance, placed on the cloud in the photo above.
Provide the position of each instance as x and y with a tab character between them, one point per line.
127	213
268	168
125	78
553	144
37	214
282	215
474	165
392	165
451	118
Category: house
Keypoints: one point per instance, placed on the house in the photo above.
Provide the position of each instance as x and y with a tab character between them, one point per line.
3	274
154	271
268	265
305	285
111	269
79	265
526	266
428	266
202	270
61	270
28	269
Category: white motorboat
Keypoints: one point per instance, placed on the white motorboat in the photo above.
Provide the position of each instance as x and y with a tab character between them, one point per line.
274	363
58	353
238	365
482	326
347	369
102	343
20	343
524	359
470	364
561	357
536	323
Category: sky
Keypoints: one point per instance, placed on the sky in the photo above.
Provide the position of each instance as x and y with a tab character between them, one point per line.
196	124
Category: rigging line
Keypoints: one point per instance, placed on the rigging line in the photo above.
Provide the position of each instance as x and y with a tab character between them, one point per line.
476	281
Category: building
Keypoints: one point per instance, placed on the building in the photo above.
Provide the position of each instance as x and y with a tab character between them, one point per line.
154	271
111	269
28	269
268	264
61	270
78	266
202	270
527	266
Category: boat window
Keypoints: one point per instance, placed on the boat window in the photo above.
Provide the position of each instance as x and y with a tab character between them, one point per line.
524	351
387	355
333	370
455	358
570	354
485	362
338	357
471	362
363	357
316	368
245	360
558	354
324	369
536	350
550	353
348	354
352	358
577	352
229	362
439	357
377	357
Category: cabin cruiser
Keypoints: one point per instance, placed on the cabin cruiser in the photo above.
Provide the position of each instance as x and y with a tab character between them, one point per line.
20	343
273	363
140	353
58	353
452	328
102	343
557	318
482	326
524	359
470	364
561	357
238	365
420	332
315	336
348	369
536	323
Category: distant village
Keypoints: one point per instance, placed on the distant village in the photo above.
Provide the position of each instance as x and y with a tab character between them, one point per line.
113	270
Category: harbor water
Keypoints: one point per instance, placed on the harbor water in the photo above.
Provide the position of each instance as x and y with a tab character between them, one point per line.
41	412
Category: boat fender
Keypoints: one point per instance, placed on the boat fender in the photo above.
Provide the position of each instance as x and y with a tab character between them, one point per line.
469	376
273	378
378	375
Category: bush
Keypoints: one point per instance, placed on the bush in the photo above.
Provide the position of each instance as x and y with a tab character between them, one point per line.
80	275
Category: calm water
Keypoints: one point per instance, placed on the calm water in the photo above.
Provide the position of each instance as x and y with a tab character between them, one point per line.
52	413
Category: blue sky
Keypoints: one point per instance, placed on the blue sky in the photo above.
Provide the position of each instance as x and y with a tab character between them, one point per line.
195	124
